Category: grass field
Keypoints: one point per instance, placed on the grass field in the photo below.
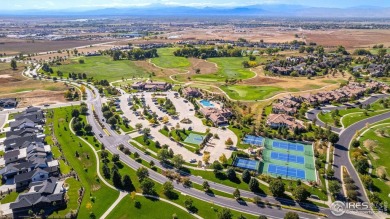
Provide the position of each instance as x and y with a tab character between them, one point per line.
150	208
245	92
103	67
98	197
379	157
166	59
228	68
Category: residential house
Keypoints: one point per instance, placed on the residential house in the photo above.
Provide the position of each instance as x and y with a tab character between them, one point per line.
41	195
283	120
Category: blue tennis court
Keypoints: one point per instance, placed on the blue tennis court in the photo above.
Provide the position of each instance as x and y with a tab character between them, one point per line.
286	171
287	157
253	140
288	146
246	164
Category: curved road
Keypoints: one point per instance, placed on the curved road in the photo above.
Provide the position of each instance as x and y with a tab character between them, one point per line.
341	153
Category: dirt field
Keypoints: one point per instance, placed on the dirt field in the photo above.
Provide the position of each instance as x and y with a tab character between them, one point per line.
38	97
349	38
30	92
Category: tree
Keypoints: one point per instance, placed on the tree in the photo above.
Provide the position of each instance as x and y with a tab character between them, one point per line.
367	181
223	159
115	158
163	155
88	128
84	110
14	65
117	179
300	194
142	173
138	126
246	176
277	187
178	161
112	121
188	203
229	142
231	174
355	143
362	165
225	214
106	171
75	113
329	173
262	217
291	215
206	186
127	183
206	158
147	186
236	194
334	187
253	184
333	138
167	189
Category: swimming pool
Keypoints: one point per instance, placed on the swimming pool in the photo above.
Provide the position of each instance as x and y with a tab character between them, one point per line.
206	103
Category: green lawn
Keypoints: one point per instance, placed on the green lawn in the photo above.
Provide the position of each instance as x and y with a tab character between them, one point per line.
166	59
358	115
150	208
103	67
378	157
228	68
98	197
10	198
246	92
73	195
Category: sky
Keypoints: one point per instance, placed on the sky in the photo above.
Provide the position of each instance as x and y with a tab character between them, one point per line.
11	5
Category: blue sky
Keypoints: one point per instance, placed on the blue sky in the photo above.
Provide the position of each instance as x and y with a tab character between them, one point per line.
92	4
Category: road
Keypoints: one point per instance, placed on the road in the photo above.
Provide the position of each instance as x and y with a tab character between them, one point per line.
114	139
313	114
341	153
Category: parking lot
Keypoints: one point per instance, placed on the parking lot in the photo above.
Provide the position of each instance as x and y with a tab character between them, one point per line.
185	110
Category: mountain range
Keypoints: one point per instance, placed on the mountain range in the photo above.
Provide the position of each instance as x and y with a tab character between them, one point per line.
271	10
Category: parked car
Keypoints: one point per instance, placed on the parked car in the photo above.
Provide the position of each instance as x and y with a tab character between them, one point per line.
193	161
101	135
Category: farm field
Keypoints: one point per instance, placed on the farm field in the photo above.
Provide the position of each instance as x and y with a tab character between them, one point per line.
17	46
150	208
102	67
166	59
375	142
228	68
246	92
